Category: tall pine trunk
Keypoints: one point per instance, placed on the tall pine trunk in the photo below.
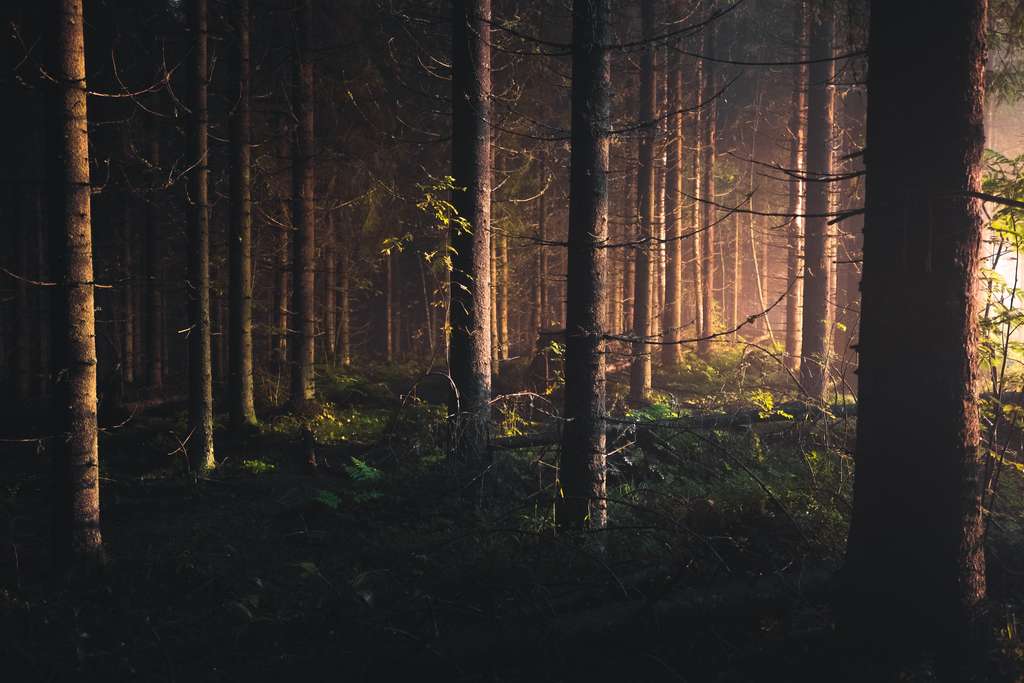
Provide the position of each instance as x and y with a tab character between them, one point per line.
795	229
672	315
303	219
640	366
815	343
154	277
240	381
915	566
708	116
78	541
582	471
200	385
470	307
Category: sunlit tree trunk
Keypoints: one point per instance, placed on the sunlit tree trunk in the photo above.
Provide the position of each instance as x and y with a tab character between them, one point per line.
78	541
240	383
692	210
915	566
200	388
814	364
795	228
708	117
303	217
582	472
640	366
504	315
672	316
470	309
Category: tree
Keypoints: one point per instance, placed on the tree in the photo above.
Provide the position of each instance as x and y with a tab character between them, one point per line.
795	246
78	540
708	117
303	218
240	384
640	366
915	565
200	377
154	281
672	317
470	238
814	364
582	468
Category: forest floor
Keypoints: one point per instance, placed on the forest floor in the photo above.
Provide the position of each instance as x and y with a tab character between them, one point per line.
364	554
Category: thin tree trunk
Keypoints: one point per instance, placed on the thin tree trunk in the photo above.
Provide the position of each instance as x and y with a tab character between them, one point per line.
154	280
200	390
78	541
470	308
708	128
672	316
640	367
344	330
582	471
240	384
692	180
281	282
814	365
331	292
915	564
127	296
302	349
795	229
503	287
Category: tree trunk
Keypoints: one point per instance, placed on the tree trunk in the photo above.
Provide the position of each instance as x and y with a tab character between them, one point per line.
708	117
127	295
672	316
915	566
814	365
692	211
344	335
303	218
331	293
640	367
795	229
78	541
503	286
470	308
200	387
154	276
240	383
582	470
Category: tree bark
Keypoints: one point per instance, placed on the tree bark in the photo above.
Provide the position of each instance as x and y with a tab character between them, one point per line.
582	471
78	541
154	278
795	229
200	389
470	308
640	366
304	220
708	117
814	363
331	293
241	411
672	316
915	566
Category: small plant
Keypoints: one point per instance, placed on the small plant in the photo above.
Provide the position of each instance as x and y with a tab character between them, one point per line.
258	466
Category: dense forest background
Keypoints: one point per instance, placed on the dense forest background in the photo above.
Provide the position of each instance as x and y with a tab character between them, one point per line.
491	340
